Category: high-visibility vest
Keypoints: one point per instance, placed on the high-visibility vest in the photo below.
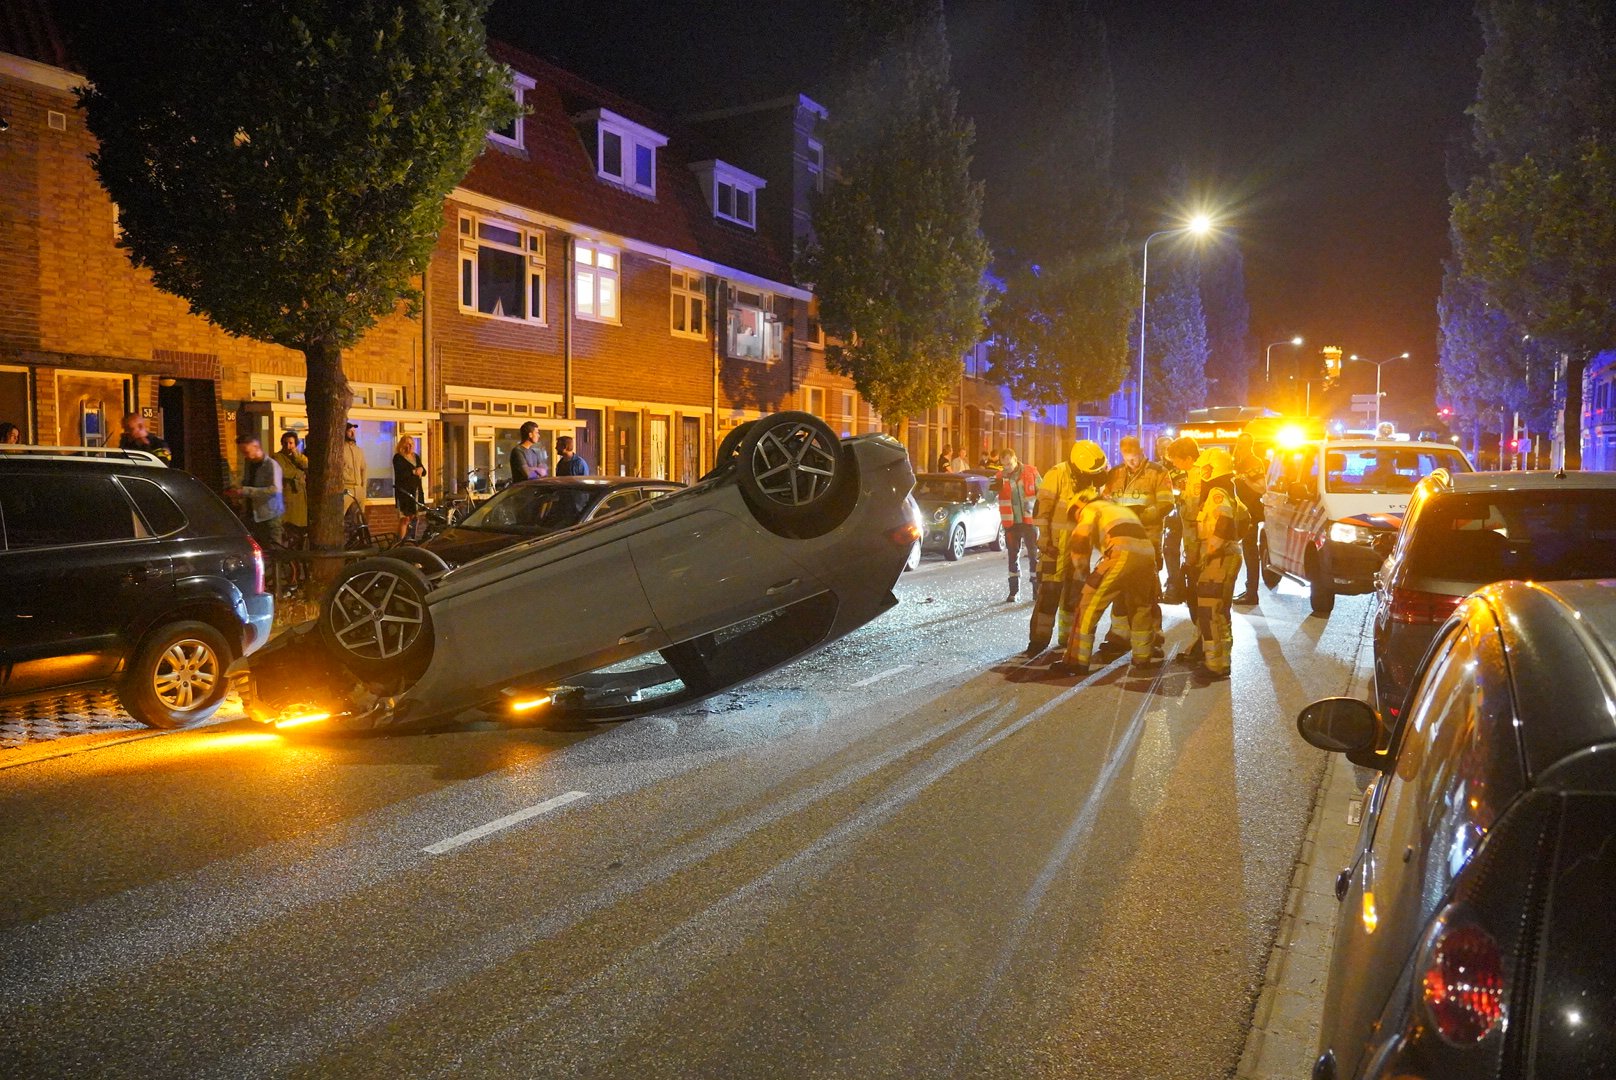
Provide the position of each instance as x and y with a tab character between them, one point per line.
1028	477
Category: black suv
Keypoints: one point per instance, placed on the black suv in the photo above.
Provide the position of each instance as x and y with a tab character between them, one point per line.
116	569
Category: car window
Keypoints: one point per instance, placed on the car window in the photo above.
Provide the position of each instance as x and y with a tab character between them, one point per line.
1294	467
1542	535
939	489
532	508
618	500
58	510
162	514
1386	470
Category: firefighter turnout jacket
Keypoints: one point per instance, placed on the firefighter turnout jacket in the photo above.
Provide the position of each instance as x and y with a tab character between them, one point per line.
1147	491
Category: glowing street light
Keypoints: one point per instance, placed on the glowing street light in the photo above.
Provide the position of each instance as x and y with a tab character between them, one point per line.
1198	226
1268	354
1378	364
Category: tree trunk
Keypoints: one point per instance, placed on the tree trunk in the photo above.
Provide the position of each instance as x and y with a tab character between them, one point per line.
1575	365
1475	439
1071	422
326	394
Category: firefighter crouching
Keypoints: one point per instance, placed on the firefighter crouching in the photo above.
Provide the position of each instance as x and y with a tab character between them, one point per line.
1125	580
1058	584
1219	524
1017	488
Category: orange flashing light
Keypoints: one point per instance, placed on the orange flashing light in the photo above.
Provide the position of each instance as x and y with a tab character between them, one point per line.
301	719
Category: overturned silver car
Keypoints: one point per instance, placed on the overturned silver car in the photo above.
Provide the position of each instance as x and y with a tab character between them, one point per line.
794	539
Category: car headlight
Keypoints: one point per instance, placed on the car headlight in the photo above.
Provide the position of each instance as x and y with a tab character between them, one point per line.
1343	532
940	516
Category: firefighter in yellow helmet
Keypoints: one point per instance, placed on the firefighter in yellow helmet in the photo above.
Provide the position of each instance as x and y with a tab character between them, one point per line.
1058	587
1219	525
1125	580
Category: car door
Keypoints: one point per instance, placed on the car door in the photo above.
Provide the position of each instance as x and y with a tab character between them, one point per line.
1299	504
1402	873
708	570
614	503
80	576
983	513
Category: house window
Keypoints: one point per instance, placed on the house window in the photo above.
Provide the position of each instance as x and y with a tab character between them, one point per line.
597	278
754	331
625	152
816	164
689	304
502	270
511	133
816	400
731	192
734	203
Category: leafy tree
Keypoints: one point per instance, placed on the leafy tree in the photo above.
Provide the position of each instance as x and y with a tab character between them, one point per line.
1176	349
899	261
1062	323
1485	370
1228	320
1542	239
282	167
1534	225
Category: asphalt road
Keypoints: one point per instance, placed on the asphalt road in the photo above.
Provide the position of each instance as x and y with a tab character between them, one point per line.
909	855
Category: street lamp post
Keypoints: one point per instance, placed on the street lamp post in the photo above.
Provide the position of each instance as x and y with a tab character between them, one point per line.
1268	355
1199	225
1378	365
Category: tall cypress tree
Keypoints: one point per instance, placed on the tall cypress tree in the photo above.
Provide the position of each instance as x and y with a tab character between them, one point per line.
1537	227
1176	351
1228	321
1062	323
900	258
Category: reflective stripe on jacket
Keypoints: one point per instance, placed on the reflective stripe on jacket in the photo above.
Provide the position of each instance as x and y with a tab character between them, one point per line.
1027	477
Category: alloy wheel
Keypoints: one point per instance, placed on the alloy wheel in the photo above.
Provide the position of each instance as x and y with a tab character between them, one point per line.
793	464
185	675
376	615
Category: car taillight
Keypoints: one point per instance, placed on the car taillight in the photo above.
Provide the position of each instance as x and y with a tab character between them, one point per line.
258	566
1464	984
1422	608
905	535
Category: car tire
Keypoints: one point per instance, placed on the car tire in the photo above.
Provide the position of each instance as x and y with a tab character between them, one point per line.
914	557
792	470
375	620
177	678
955	551
997	543
727	446
1270	576
1321	593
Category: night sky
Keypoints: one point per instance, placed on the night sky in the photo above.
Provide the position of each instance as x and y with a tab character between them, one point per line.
1319	128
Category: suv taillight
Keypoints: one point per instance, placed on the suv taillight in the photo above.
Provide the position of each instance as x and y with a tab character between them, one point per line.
1422	608
258	566
1463	983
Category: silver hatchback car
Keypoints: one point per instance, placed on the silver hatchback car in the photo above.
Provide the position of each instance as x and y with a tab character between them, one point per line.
794	539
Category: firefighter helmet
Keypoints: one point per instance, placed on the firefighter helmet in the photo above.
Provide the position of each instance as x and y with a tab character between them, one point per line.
1217	460
1088	459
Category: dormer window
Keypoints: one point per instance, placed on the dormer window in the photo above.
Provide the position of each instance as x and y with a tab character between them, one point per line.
511	133
625	152
731	192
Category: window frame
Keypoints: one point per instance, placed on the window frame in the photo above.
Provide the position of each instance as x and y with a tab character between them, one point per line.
520	85
773	349
633	139
687	288
814	159
535	267
596	274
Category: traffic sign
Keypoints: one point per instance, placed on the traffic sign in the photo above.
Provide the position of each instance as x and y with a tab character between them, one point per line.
1364	399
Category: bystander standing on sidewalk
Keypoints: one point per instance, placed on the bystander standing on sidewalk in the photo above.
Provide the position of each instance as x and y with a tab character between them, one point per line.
262	484
137	437
294	490
1017	488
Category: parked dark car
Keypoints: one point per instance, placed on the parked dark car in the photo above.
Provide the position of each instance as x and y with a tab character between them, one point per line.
538	508
794	539
960	511
1473	934
1465	530
115	569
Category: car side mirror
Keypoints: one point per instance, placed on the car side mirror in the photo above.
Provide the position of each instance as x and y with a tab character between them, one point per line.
1341	725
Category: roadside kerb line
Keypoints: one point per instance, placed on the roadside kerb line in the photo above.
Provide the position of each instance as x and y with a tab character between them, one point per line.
461	839
878	676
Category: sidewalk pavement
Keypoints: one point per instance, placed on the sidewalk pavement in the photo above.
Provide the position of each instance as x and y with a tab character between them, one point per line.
28	723
1285	1028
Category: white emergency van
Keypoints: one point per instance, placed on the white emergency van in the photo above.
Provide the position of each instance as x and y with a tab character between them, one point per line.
1333	507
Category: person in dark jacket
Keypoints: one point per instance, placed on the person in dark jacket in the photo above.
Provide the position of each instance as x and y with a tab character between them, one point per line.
569	463
409	493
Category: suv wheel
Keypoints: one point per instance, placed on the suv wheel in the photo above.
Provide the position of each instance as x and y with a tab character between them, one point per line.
791	469
376	620
176	679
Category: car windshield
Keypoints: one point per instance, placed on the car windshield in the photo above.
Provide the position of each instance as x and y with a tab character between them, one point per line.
1386	470
938	489
1541	535
532	508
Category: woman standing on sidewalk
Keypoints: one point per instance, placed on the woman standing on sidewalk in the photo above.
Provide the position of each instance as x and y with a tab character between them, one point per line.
408	495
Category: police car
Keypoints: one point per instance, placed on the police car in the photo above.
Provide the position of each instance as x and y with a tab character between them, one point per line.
1333	508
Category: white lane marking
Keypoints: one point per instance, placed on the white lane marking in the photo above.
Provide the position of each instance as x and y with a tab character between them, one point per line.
502	823
878	676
